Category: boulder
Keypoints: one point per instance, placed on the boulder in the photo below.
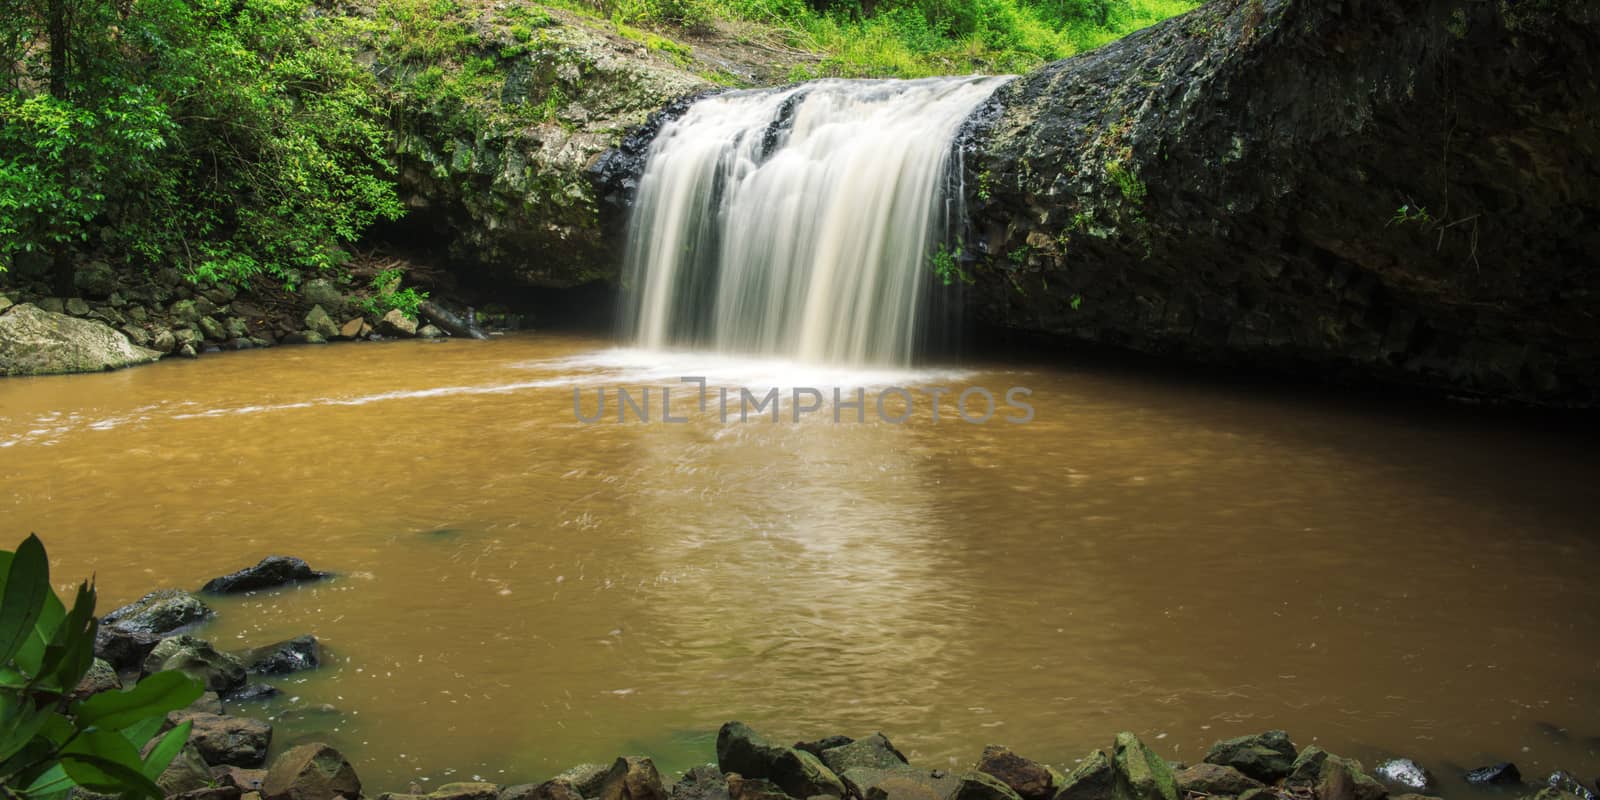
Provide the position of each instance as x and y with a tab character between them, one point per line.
632	778
311	772
161	612
271	573
54	305
1503	774
284	657
1404	773
430	332
187	772
1029	779
304	337
585	778
95	279
318	320
395	323
704	782
322	292
227	741
875	751
77	307
163	341
1343	779
187	350
34	341
816	746
185	312
352	328
101	677
207	703
1215	779
213	330
5	303
900	783
220	672
796	772
1267	757
1141	774
221	294
1092	779
237	328
982	786
246	780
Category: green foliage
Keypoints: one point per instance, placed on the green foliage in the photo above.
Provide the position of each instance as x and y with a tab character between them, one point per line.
946	265
1077	302
389	296
1408	214
1133	190
50	743
218	134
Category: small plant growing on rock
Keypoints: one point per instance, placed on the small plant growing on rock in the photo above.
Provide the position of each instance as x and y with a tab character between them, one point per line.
389	296
50	742
946	264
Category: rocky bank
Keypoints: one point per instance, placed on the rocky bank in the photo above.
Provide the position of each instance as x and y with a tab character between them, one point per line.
1400	192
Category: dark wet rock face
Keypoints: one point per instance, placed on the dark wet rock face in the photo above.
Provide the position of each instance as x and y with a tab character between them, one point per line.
282	658
1266	757
1404	772
1363	191
253	692
632	778
816	746
271	573
1502	774
1140	773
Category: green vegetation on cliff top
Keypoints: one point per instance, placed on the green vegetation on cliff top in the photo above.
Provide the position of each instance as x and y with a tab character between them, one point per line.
244	138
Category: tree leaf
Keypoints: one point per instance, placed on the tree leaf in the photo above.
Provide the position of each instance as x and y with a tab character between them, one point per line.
27	585
103	761
154	696
167	749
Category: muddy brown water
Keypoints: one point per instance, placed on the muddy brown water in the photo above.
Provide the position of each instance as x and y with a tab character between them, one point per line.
520	592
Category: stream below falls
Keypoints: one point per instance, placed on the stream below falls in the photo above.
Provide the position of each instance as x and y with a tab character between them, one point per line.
519	591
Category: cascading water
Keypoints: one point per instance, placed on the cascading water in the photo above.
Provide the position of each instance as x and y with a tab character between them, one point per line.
798	222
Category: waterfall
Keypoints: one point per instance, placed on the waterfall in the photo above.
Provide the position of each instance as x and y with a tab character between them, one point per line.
798	222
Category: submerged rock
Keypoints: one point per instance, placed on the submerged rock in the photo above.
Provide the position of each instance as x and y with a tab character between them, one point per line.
196	658
1267	757
1503	774
311	772
1215	779
293	655
271	573
1406	773
1029	779
162	612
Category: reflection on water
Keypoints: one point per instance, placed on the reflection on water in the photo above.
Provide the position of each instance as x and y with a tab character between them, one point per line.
520	592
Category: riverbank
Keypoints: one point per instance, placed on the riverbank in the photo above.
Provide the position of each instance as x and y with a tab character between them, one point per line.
118	319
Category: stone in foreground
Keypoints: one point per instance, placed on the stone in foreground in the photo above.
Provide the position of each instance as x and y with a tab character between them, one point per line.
1092	779
1405	773
270	573
797	772
282	658
633	778
1029	779
311	772
227	741
1266	757
1141	774
875	751
220	672
1215	779
37	342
